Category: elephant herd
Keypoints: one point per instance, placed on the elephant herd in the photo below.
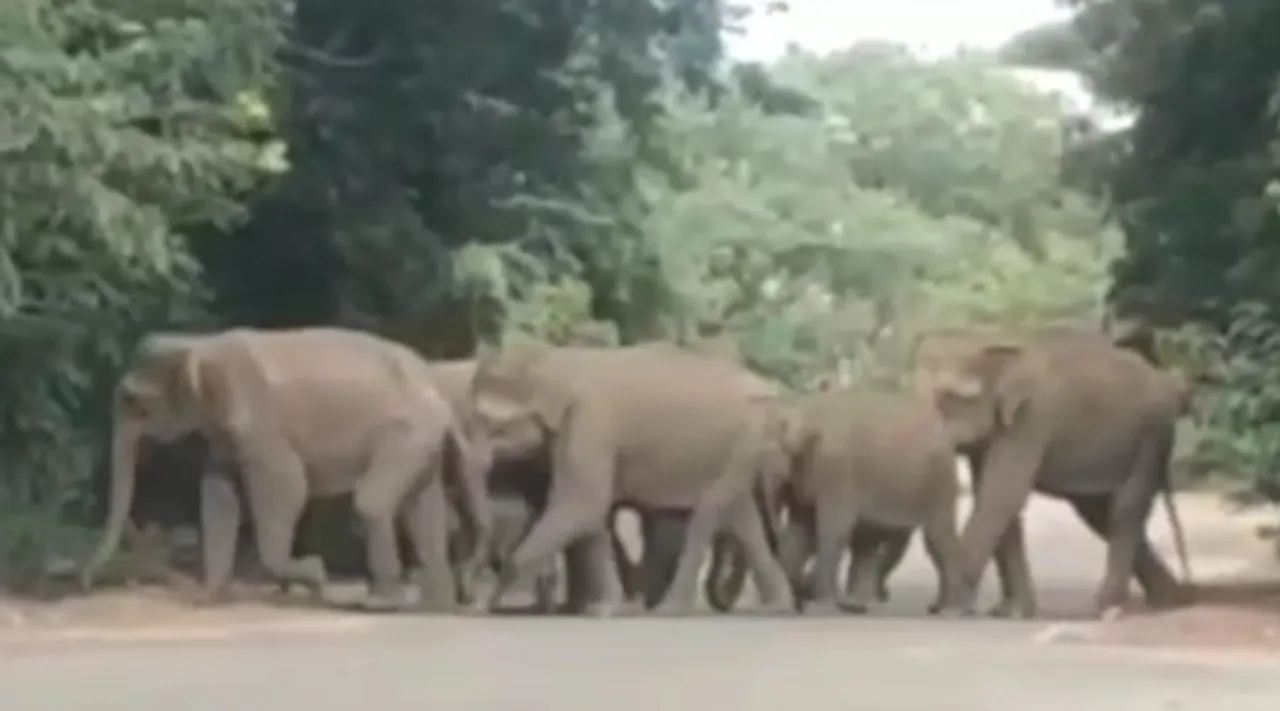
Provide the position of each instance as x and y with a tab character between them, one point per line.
501	467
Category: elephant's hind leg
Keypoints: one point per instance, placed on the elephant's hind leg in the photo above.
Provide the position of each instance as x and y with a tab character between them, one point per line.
405	464
426	519
746	526
1157	581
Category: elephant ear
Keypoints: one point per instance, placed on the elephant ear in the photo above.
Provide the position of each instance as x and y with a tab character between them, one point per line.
513	375
1010	386
174	385
784	422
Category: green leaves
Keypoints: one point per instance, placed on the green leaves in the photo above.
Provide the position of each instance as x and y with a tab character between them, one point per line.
832	205
116	142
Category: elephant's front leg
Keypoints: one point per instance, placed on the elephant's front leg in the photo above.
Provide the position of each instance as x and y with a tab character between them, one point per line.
664	534
795	547
1013	570
220	514
834	523
862	585
747	529
892	550
275	484
426	518
590	559
571	512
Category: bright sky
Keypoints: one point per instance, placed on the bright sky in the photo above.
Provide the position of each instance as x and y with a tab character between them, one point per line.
929	25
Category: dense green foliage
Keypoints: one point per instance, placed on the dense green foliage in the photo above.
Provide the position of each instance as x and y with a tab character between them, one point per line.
450	173
1195	186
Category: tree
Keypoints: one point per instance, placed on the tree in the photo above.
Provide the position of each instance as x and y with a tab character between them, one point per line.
832	206
1193	185
118	133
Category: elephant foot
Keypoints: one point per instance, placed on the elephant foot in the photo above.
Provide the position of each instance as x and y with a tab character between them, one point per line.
771	608
1110	613
853	607
603	608
953	611
1006	609
823	608
882	594
384	603
665	609
1178	595
547	606
212	597
437	607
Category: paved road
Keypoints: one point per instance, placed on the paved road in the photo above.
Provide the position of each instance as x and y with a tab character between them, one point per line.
892	660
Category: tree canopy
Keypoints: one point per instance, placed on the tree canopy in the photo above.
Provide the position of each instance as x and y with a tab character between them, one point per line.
1194	185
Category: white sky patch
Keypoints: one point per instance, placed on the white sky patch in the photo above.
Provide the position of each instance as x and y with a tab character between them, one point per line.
929	26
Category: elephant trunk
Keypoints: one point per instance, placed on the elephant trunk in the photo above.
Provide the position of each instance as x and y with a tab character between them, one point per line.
470	467
124	458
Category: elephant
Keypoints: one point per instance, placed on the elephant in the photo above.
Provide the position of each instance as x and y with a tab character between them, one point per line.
868	466
1067	413
296	413
518	490
652	426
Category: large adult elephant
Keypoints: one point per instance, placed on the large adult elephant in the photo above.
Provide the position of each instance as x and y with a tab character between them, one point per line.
518	488
651	426
301	413
1066	413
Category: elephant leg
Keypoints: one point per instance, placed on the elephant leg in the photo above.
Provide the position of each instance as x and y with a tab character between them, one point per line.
545	587
220	514
664	533
728	575
747	527
397	473
572	511
426	520
834	524
1157	581
590	561
795	548
1013	570
1127	520
727	502
629	571
942	545
892	550
276	485
862	584
1008	473
579	578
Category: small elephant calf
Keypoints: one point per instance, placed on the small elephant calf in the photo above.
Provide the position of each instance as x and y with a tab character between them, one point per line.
861	456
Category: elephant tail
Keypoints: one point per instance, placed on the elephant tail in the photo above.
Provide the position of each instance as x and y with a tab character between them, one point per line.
1175	523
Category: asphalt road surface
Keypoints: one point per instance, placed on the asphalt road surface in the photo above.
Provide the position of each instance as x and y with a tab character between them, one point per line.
895	658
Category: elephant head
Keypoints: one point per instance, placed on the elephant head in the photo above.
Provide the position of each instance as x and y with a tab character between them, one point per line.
972	379
164	395
514	406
